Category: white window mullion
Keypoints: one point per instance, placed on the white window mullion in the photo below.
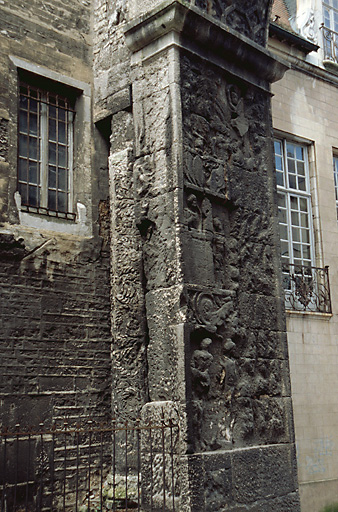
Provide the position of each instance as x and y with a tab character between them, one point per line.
44	153
70	153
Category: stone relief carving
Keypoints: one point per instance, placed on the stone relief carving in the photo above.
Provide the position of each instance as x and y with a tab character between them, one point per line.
200	363
192	213
307	24
225	136
211	310
249	18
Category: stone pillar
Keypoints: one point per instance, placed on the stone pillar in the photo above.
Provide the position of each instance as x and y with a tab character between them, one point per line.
200	226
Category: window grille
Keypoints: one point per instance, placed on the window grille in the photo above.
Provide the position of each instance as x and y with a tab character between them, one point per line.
45	149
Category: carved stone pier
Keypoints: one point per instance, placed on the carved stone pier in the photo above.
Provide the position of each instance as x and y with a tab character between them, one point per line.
198	311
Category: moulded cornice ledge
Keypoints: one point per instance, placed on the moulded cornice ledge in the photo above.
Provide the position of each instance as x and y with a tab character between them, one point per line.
213	37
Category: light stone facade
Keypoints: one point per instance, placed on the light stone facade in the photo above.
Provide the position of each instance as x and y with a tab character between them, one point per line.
305	110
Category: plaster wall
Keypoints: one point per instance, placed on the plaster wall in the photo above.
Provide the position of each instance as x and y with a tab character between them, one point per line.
305	106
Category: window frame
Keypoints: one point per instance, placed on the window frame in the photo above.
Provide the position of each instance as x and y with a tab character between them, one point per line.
335	178
45	96
288	191
332	15
79	222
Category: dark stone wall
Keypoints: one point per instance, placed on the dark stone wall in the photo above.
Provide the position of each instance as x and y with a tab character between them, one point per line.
248	17
54	336
238	388
54	287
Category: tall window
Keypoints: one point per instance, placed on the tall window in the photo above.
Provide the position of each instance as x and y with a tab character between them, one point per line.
335	174
330	30
294	208
330	14
45	149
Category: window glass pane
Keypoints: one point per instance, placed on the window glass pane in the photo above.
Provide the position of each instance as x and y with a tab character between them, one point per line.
22	174
306	252
303	204
297	251
299	153
294	219
291	166
305	236
280	179
52	199
52	177
301	184
23	145
62	133
33	196
292	181
294	203
33	105
23	102
304	220
52	153
33	124
52	129
62	156
33	172
33	148
62	185
62	114
278	147
52	112
23	121
62	202
279	164
290	150
301	168
296	234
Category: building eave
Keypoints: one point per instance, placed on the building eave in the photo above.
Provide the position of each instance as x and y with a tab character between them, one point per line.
293	39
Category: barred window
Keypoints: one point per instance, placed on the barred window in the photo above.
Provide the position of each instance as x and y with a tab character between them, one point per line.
45	149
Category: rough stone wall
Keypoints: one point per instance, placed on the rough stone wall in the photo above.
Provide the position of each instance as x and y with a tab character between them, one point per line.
55	338
239	381
55	332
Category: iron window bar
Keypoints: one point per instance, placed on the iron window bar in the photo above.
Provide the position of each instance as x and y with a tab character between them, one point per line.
306	288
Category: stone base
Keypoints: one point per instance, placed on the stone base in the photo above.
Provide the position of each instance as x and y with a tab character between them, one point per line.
258	479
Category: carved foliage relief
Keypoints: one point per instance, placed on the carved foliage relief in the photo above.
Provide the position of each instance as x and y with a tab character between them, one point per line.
248	17
235	391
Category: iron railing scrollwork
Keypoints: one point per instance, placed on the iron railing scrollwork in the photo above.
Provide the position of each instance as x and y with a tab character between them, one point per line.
306	288
330	44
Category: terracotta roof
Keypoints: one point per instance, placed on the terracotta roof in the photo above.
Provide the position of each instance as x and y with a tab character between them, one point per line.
280	14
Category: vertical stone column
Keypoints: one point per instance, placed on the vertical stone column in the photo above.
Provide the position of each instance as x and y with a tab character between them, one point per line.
201	246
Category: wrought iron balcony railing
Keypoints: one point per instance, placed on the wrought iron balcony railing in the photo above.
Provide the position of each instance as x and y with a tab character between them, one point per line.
306	288
330	45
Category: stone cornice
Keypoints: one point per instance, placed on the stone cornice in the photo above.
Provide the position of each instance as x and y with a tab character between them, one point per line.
178	23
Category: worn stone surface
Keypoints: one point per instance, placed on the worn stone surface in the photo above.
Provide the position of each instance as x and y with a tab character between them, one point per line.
204	207
55	289
55	334
193	299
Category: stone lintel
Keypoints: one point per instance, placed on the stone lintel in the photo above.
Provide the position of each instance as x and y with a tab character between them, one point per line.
183	25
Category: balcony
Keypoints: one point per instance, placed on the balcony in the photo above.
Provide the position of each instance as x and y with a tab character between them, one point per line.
330	48
306	288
